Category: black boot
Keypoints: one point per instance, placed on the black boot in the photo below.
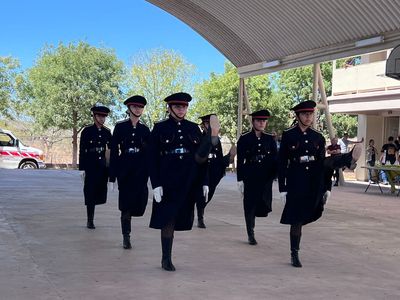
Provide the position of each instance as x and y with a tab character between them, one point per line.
200	218
250	220
294	247
126	229
90	217
166	262
126	242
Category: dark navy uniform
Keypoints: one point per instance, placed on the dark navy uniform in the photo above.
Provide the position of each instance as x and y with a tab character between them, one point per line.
173	167
256	170
129	165
177	173
301	159
301	175
216	166
94	143
257	167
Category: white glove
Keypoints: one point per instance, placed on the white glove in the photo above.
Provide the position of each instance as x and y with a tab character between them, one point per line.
283	197
326	197
158	193
111	186
205	191
240	185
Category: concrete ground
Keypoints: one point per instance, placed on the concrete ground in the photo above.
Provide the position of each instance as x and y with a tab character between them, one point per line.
46	252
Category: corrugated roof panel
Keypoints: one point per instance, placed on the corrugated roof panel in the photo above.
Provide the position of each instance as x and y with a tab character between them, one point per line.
251	32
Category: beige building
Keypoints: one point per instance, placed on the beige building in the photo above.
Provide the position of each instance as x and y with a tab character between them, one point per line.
362	89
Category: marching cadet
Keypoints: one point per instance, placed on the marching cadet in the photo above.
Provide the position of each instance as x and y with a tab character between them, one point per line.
128	163
256	170
217	163
301	175
94	142
178	155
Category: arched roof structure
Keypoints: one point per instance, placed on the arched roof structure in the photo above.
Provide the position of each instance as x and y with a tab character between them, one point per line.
261	36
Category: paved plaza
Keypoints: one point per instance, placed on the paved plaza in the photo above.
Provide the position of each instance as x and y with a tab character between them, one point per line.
46	252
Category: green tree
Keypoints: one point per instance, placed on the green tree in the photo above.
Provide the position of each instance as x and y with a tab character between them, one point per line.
157	73
296	85
345	123
66	82
8	71
220	93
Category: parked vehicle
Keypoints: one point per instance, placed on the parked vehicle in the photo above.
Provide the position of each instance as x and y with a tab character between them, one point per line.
14	154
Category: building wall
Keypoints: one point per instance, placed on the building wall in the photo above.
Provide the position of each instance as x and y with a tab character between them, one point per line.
369	127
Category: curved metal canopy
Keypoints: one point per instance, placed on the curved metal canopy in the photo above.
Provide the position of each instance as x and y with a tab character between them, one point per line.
261	36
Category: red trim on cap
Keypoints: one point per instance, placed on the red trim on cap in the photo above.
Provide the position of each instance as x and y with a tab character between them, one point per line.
178	102
304	109
135	103
261	117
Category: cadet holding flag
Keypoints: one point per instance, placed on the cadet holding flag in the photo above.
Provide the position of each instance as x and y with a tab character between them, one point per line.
129	165
94	142
256	170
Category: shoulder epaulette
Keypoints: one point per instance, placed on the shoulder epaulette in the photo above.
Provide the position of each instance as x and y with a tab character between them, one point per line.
290	128
160	121
105	127
267	133
122	121
191	122
246	132
315	130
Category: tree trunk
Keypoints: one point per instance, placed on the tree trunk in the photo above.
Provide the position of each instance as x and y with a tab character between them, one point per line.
74	139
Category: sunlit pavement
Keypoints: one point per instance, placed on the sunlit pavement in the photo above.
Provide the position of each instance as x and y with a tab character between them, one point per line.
46	252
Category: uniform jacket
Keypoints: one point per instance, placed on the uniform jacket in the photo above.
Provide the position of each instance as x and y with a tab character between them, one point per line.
92	159
257	168
173	167
216	165
128	163
301	159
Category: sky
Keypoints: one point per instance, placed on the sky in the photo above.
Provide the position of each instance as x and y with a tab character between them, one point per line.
127	26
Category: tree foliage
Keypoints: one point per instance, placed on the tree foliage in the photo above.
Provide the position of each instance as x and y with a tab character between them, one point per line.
155	74
296	85
66	82
8	72
345	123
220	95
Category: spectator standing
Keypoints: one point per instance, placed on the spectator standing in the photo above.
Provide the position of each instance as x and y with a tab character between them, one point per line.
334	149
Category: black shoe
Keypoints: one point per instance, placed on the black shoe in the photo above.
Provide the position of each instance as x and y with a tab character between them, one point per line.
126	242
295	259
90	225
200	223
252	240
167	265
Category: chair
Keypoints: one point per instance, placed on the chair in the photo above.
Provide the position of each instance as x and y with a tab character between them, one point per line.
374	179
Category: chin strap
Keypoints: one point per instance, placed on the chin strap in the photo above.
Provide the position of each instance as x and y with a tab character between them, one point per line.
96	122
174	114
299	121
130	111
